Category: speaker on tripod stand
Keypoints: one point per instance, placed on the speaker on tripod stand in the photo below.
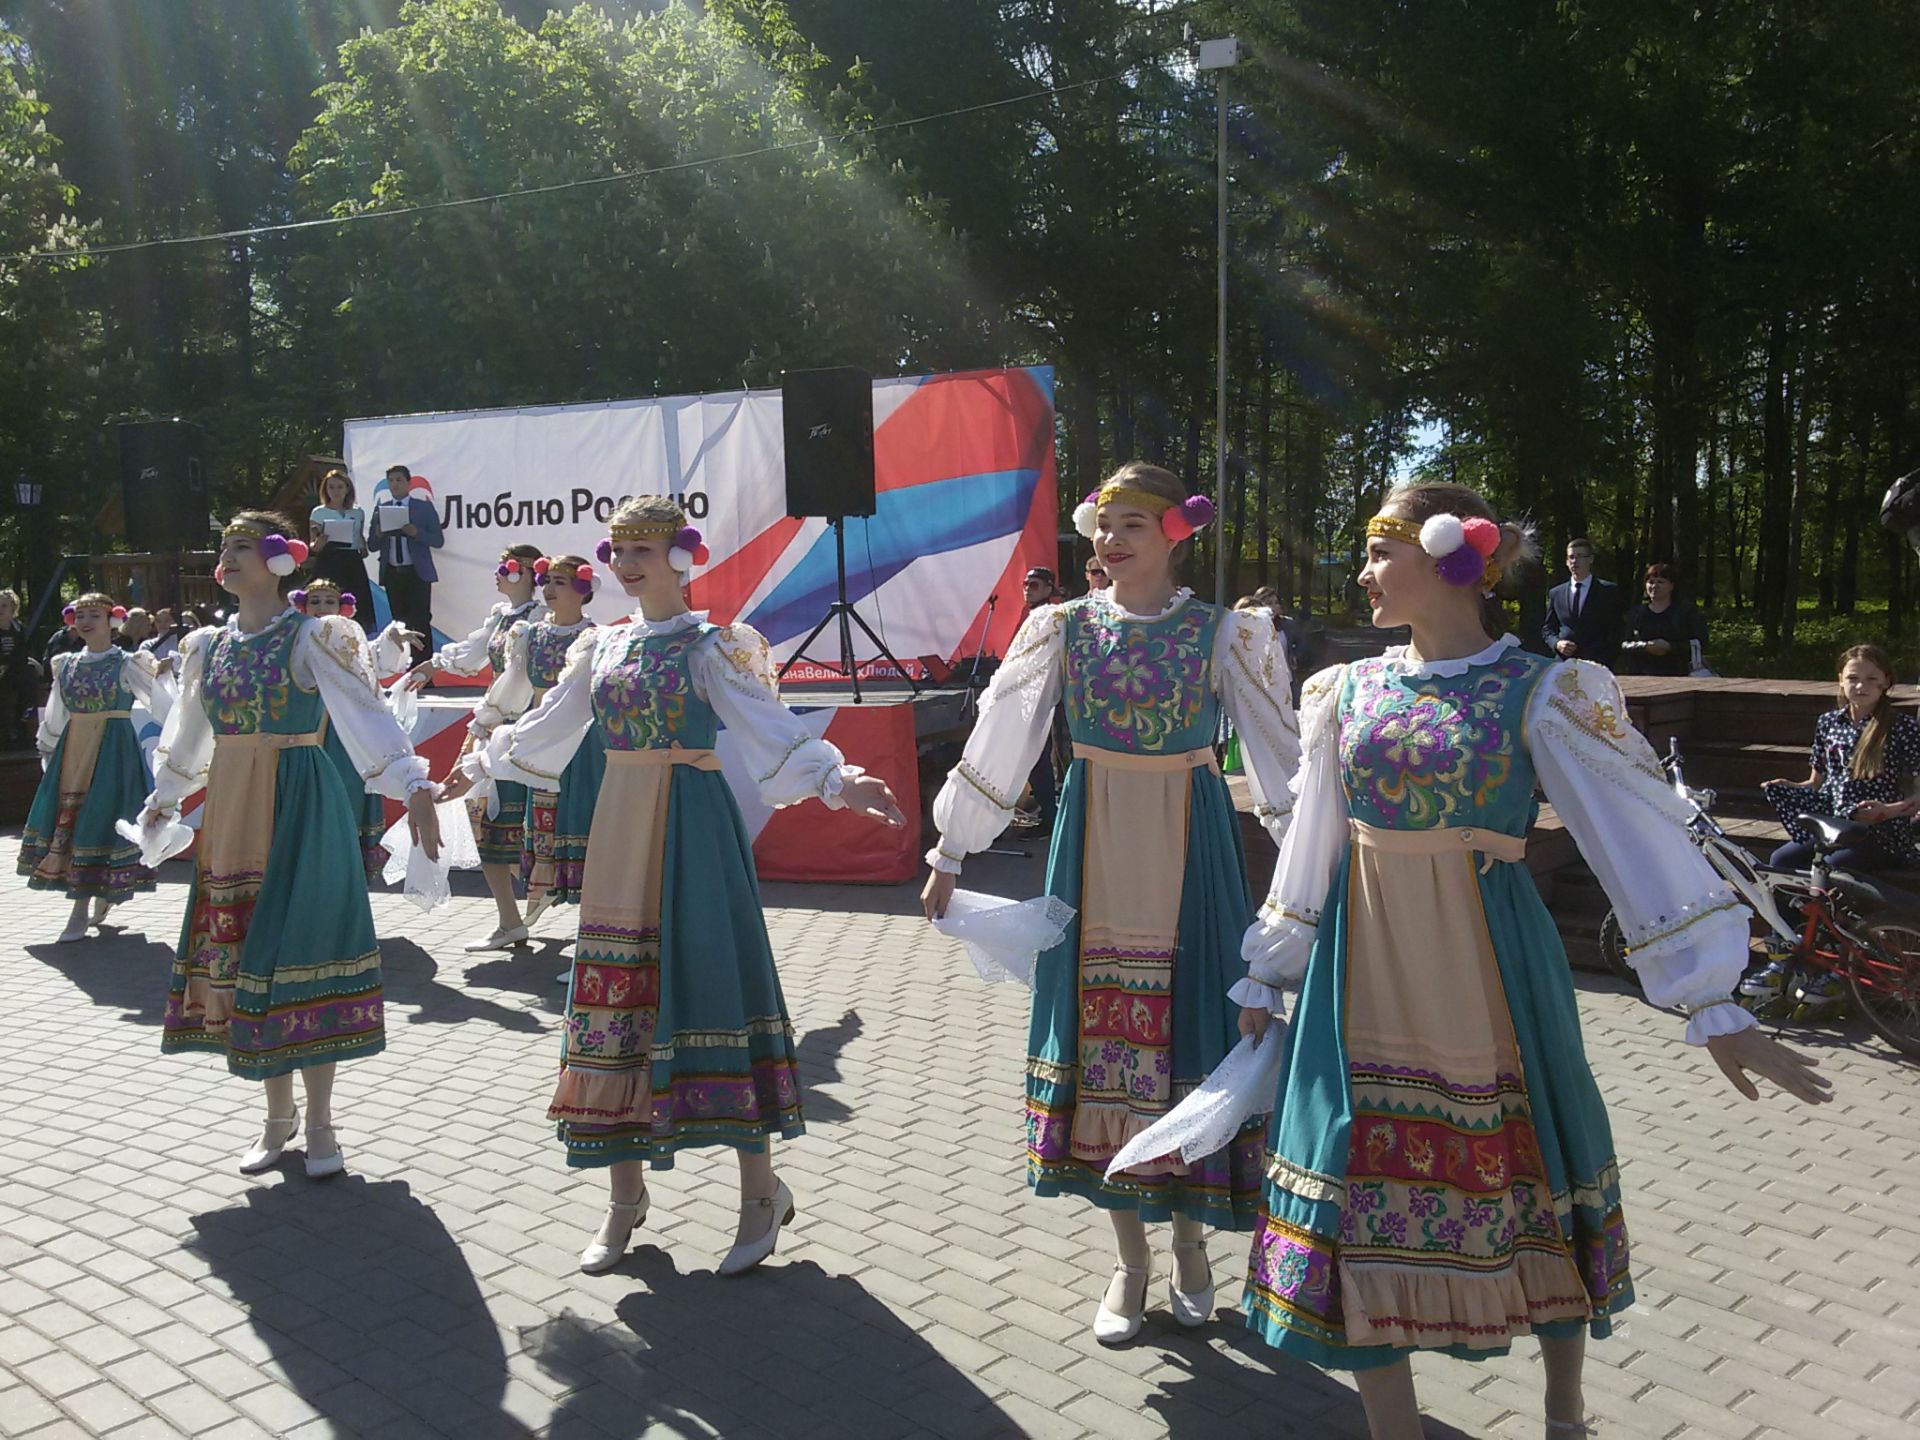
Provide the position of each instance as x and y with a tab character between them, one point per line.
827	419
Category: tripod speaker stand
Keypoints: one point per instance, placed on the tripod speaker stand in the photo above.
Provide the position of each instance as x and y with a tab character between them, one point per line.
827	417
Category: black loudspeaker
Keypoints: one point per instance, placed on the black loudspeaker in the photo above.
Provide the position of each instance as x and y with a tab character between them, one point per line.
163	483
828	419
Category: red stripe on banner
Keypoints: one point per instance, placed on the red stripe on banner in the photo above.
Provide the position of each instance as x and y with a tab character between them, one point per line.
742	572
808	842
977	422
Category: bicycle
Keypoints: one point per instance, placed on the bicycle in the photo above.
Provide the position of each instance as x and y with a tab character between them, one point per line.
1863	932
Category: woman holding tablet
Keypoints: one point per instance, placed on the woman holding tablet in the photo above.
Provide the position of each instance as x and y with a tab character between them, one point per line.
337	531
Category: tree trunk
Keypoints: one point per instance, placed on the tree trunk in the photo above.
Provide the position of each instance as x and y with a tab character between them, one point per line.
1776	508
1800	409
1263	531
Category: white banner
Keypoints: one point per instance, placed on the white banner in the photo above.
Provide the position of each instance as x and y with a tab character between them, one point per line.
964	471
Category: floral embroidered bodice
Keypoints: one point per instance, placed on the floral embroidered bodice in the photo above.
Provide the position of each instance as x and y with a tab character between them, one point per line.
248	687
547	647
1425	750
503	628
89	687
1139	685
643	696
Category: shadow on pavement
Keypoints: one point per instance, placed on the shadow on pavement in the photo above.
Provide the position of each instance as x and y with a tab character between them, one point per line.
365	1302
411	977
819	1054
1224	1365
827	1358
120	969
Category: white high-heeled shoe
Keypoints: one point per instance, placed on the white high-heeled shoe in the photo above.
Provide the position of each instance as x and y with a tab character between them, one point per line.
264	1156
536	906
1113	1327
498	940
603	1255
320	1167
1194	1307
746	1255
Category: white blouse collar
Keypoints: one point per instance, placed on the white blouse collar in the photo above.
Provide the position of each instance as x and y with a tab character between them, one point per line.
233	623
1397	657
687	618
1179	598
91	656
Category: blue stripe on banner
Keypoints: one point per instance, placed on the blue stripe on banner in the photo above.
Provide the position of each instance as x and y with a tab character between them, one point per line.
909	524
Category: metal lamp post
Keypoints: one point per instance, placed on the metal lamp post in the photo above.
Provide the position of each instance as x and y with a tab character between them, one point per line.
1221	56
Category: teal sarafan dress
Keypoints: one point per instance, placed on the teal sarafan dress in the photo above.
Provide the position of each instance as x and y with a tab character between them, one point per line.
1441	1172
95	775
677	1032
277	967
499	822
1131	1010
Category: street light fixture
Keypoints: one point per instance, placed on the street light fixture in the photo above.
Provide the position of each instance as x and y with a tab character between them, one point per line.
1221	56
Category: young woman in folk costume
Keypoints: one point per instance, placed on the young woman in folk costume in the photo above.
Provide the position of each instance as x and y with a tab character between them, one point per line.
1130	1011
553	856
277	967
319	599
94	773
1441	1171
499	825
677	1034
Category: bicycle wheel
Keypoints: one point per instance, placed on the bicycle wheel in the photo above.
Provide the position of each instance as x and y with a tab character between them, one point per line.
1885	980
1614	951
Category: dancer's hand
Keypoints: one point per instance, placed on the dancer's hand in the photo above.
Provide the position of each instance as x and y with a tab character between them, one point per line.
456	785
938	893
1254	1020
423	822
868	795
150	817
1752	1051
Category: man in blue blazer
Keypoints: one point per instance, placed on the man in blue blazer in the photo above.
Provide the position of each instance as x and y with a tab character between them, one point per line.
406	557
1586	616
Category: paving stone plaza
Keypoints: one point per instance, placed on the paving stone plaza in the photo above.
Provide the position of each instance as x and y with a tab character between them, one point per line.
148	1290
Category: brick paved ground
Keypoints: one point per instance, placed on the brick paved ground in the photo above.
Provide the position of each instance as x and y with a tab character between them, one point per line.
148	1290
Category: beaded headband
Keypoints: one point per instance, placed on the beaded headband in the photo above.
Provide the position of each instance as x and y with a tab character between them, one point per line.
1178	518
1462	550
687	548
283	556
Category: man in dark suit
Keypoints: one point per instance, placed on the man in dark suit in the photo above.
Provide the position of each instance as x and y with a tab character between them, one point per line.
1585	615
406	557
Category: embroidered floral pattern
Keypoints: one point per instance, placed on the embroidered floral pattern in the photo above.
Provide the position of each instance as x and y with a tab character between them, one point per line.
90	686
641	699
248	682
1421	751
1140	685
547	647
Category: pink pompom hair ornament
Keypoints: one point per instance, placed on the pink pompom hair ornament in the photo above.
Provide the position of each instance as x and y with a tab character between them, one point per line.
540	568
219	574
67	613
119	612
688	549
584	580
1182	520
348	604
508	568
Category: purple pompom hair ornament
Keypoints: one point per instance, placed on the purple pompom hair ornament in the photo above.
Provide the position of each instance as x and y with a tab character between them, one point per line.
603	552
1464	566
1191	514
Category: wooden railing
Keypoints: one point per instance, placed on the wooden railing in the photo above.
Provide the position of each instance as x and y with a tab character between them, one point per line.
173	578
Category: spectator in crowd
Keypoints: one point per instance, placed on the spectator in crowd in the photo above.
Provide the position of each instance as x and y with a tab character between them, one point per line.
1042	590
1664	634
1096	575
20	676
1585	615
64	642
406	555
135	630
337	531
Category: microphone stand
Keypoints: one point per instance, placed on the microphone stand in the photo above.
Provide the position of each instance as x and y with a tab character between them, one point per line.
970	707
